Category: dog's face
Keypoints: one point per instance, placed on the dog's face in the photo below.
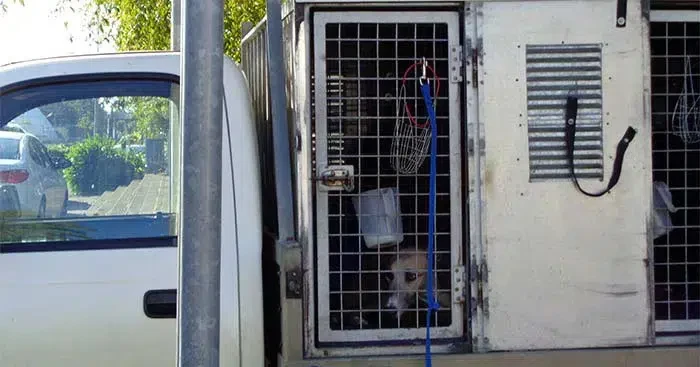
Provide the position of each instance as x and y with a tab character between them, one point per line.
406	280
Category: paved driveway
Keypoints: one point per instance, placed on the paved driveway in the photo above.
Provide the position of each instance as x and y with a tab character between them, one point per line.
145	196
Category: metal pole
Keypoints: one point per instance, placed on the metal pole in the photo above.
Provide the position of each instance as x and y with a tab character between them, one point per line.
280	126
175	129
200	225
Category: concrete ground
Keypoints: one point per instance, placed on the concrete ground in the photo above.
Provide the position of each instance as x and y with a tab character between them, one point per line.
145	196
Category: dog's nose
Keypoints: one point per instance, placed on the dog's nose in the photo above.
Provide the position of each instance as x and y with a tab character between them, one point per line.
392	302
396	304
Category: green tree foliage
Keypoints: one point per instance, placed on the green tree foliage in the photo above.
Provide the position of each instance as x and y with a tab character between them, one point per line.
144	25
151	118
3	4
97	166
237	12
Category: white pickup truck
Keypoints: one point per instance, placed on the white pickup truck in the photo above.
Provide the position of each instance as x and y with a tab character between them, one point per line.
94	284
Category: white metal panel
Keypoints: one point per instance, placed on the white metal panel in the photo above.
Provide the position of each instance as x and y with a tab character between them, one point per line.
83	308
674	16
153	62
565	270
242	342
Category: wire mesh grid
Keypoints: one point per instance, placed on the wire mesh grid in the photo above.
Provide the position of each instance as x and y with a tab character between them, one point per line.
365	63
676	162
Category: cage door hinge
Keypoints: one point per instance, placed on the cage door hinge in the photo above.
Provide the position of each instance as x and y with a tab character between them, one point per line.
459	281
456	64
336	178
479	275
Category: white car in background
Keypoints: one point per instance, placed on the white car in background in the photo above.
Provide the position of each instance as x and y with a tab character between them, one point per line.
28	172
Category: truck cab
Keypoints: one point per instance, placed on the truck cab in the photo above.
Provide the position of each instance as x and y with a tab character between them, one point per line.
95	284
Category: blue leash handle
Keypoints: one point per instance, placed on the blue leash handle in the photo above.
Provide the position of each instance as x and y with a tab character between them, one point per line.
432	304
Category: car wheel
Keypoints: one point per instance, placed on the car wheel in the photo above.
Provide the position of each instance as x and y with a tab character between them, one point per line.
42	208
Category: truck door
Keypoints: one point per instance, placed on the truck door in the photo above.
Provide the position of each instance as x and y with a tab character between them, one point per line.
96	287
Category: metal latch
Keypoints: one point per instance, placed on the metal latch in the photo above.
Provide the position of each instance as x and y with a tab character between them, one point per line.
294	283
335	178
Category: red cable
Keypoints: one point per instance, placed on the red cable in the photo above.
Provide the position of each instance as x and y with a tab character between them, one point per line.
437	90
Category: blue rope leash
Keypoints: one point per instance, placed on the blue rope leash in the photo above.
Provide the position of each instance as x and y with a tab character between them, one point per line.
432	304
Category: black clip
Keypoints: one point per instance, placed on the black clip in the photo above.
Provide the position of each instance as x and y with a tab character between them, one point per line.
621	19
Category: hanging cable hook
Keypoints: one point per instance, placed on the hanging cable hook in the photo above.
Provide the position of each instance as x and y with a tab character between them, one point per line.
425	72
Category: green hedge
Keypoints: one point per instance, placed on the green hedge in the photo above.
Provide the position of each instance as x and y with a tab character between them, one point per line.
97	166
58	150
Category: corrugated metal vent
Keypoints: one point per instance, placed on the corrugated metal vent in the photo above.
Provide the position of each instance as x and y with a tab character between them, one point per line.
554	71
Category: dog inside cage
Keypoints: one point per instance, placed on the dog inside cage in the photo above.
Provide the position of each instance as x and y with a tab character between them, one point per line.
377	122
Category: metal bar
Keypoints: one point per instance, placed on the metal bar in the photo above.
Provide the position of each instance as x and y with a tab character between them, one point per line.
175	21
173	142
280	126
674	16
200	225
475	99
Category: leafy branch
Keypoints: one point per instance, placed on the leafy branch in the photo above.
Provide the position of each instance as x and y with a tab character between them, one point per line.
4	6
144	25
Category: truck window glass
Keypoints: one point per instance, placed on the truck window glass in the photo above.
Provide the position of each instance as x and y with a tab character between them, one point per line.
88	160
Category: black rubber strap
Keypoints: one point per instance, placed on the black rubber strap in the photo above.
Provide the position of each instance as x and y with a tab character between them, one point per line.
570	136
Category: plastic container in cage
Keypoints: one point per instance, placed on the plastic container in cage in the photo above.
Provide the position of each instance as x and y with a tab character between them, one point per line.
663	204
379	216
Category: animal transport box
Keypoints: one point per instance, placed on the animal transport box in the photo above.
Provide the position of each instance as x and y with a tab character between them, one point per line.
550	149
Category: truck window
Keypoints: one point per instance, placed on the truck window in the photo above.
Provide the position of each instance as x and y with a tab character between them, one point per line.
102	166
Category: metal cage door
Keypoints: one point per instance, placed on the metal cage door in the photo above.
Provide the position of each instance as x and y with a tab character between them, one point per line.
372	191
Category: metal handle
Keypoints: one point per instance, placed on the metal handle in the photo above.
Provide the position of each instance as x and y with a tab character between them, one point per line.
160	303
